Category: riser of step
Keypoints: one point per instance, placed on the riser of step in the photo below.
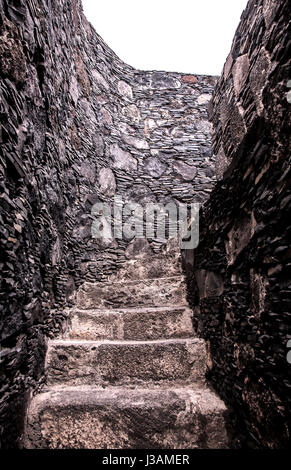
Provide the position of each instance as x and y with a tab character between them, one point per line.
126	363
149	268
126	419
132	324
148	292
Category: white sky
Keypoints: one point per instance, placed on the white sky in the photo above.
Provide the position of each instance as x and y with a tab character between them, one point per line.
190	36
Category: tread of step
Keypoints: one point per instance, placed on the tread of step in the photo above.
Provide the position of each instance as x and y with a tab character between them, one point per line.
131	323
77	362
146	292
118	418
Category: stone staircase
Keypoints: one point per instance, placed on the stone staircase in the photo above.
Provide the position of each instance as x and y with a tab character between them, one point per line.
129	373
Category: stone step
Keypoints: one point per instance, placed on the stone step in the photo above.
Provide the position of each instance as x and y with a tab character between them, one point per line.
146	323
178	361
148	292
118	418
153	267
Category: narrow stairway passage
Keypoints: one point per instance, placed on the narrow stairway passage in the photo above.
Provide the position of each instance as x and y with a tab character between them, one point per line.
128	373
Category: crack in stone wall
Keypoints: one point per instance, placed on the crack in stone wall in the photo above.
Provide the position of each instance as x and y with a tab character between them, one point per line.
77	126
239	286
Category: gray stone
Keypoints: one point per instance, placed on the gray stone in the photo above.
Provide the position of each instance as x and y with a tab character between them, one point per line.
154	167
99	145
132	112
100	79
69	108
240	72
143	363
168	291
105	117
221	163
203	99
259	78
187	172
107	183
74	90
227	66
210	284
139	144
121	159
149	126
92	418
161	81
87	170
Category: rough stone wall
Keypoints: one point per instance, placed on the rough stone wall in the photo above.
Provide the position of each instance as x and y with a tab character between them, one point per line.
77	127
240	284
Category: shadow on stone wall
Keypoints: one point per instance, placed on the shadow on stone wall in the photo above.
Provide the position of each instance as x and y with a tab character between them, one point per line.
239	276
77	127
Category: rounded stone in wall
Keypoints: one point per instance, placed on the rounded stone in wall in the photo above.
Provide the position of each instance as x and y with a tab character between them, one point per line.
187	172
203	99
125	89
107	183
99	144
122	160
99	79
132	112
163	80
74	90
105	117
154	167
141	194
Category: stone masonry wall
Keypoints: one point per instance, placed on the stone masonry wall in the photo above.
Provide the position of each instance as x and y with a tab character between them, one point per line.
240	285
77	127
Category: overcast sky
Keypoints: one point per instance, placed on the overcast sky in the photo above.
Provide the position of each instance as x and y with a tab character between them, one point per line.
190	36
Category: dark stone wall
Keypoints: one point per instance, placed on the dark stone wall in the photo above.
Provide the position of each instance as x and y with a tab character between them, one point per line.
240	284
77	127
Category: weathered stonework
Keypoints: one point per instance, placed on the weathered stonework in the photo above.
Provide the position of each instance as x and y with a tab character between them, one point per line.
77	127
129	351
239	286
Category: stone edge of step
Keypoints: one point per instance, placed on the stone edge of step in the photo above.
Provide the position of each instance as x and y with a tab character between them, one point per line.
121	311
68	396
123	282
80	342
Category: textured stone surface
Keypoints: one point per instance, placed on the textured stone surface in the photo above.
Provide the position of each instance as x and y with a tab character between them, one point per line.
119	324
127	419
76	128
240	285
122	160
187	172
107	182
163	291
154	167
126	363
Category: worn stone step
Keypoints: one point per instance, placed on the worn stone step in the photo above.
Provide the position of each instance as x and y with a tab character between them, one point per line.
118	418
148	292
104	363
146	323
151	267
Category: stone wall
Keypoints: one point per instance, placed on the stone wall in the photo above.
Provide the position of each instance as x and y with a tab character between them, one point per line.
77	127
240	284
